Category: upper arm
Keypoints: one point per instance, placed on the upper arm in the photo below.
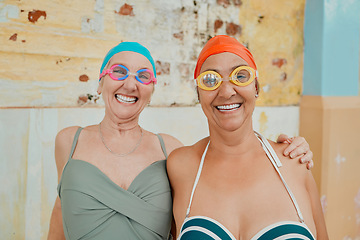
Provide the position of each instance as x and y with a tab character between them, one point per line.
176	172
171	143
316	207
174	166
181	169
63	143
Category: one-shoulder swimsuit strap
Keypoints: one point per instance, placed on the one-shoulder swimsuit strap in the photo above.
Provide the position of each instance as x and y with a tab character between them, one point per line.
162	144
275	162
76	137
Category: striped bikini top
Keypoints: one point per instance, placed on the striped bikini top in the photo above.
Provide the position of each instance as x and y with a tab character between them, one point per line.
205	228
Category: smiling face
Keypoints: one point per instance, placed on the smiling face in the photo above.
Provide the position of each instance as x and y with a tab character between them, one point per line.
229	106
125	100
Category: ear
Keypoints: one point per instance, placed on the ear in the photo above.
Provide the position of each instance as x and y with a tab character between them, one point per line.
257	88
101	83
197	93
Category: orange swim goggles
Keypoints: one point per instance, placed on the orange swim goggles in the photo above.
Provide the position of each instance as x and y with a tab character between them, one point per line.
211	80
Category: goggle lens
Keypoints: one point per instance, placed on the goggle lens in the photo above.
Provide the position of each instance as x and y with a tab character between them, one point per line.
118	72
211	80
241	75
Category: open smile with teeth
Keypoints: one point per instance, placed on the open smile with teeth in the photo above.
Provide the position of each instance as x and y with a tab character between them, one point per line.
124	99
229	107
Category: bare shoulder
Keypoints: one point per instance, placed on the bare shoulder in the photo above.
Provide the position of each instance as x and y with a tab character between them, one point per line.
64	138
291	164
185	159
171	143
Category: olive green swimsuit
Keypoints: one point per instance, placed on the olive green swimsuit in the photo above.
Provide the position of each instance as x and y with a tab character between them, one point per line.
94	207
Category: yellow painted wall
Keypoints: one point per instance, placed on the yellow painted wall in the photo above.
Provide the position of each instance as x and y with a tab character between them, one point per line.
274	33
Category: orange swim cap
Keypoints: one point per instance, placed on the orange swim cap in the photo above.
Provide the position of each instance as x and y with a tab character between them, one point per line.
220	44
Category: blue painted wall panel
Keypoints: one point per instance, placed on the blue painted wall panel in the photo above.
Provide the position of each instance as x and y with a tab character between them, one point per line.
331	54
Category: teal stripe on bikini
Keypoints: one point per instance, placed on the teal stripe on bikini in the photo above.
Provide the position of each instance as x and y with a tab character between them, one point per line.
196	235
204	223
285	229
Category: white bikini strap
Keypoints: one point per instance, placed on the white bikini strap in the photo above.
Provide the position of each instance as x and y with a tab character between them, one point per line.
197	178
269	150
276	163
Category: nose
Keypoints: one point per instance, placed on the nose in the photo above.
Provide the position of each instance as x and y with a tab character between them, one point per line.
226	89
130	83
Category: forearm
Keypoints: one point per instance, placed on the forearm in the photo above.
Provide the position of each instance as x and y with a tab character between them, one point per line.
56	231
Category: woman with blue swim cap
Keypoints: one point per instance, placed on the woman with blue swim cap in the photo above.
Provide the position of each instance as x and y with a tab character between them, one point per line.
112	176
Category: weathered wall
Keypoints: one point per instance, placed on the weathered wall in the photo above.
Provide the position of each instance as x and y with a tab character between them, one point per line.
51	50
50	54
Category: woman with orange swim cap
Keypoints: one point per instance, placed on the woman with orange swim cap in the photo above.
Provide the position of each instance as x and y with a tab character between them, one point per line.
236	184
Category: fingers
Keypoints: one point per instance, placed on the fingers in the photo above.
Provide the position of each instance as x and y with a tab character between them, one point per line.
297	147
307	157
310	165
282	138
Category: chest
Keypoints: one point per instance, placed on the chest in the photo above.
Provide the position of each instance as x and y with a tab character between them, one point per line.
246	201
120	170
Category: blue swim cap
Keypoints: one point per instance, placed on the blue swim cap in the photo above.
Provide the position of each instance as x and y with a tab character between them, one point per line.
128	46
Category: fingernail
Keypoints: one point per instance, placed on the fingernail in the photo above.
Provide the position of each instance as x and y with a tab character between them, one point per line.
302	160
291	155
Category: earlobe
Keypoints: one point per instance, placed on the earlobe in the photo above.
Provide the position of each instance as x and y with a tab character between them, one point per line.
197	93
99	89
257	88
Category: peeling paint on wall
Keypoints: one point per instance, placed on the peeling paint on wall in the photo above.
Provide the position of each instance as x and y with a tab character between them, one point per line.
13	37
218	24
224	3
179	35
84	78
233	29
175	32
88	99
126	10
279	62
283	77
34	15
162	68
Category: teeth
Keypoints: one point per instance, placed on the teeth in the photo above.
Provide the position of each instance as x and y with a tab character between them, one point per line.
125	99
228	107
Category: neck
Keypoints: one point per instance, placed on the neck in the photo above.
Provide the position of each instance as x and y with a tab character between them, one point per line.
120	126
233	142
